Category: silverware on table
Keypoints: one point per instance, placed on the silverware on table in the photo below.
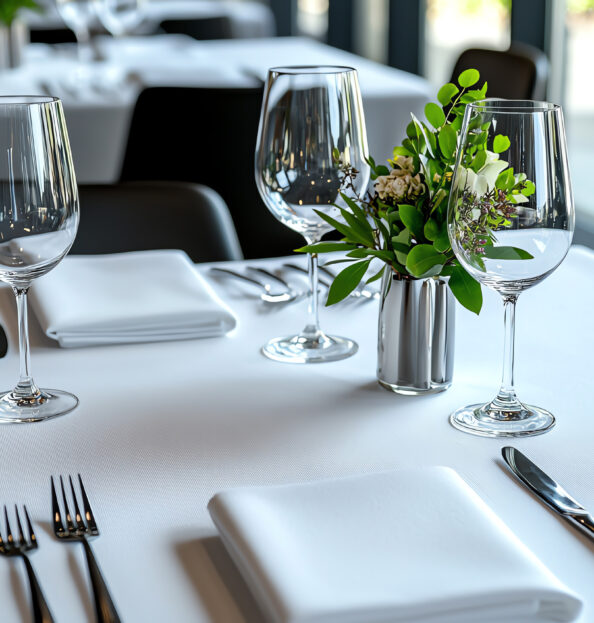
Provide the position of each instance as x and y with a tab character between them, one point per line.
268	293
77	530
360	292
549	491
10	547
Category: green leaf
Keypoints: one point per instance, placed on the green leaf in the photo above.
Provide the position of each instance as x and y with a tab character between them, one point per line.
445	94
411	131
377	275
457	124
468	78
423	261
325	247
528	189
500	143
346	281
403	238
412	219
431	229
447	141
435	115
358	253
400	150
507	253
479	160
505	180
466	289
442	242
335	154
359	214
348	232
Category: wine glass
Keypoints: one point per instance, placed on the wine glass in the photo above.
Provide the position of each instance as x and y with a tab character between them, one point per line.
38	221
119	17
78	15
510	223
311	136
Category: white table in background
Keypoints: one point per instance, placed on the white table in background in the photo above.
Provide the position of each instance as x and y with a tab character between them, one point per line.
98	117
162	427
246	18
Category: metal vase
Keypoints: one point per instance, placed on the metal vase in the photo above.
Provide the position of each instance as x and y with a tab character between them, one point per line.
416	333
13	39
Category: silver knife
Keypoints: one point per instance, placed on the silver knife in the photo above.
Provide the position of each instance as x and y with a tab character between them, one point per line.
550	492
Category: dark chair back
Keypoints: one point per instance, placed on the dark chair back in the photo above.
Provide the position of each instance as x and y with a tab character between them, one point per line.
208	136
203	28
521	72
156	215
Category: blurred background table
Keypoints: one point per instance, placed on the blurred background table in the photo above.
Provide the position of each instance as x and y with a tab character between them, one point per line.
99	114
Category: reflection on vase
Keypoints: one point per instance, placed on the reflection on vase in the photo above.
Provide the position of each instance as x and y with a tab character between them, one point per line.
415	335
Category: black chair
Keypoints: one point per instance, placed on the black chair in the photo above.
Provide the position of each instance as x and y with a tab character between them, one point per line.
521	72
208	136
156	215
203	29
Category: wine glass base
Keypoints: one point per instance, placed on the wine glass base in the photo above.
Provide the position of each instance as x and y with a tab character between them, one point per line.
478	419
49	403
304	349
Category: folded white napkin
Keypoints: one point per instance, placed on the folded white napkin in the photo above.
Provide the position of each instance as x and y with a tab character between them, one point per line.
144	296
404	546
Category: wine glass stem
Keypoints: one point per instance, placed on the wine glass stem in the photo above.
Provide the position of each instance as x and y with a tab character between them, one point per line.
313	325
506	398
83	45
26	387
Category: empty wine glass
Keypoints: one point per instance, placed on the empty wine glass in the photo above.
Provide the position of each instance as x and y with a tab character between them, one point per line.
38	221
119	17
78	15
510	222
311	135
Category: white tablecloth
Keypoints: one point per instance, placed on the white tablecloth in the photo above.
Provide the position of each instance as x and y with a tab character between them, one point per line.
246	18
98	116
162	427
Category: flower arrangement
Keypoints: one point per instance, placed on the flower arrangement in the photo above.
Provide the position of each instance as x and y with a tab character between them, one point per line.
403	219
10	8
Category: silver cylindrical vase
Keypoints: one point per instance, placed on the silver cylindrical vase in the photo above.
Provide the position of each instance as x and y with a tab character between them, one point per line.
415	335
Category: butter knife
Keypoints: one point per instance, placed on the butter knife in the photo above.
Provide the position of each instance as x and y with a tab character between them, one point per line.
549	491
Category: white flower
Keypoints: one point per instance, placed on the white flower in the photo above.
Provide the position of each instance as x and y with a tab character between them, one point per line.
398	185
405	164
484	180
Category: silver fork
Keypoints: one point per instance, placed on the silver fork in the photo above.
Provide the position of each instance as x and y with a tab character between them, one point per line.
268	295
360	292
77	530
10	547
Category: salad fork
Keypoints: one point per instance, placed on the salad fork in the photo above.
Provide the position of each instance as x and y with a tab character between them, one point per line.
10	547
79	529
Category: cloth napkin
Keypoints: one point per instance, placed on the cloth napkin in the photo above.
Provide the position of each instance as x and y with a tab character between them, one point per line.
400	547
143	296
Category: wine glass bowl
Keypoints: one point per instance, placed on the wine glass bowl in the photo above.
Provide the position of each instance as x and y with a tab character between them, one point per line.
78	15
510	223
119	17
312	146
39	216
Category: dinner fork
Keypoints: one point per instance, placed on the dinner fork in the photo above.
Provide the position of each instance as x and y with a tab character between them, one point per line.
81	530
268	295
10	547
